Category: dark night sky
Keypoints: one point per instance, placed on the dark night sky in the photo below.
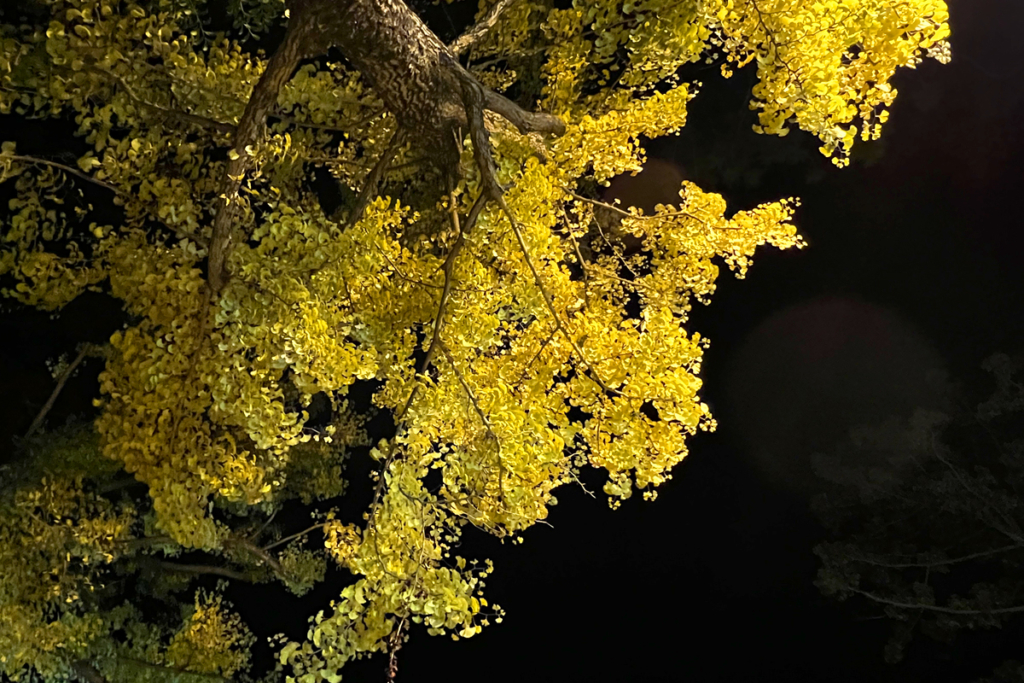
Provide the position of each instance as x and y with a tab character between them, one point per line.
912	268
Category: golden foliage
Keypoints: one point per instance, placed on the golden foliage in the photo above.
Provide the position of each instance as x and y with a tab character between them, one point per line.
555	343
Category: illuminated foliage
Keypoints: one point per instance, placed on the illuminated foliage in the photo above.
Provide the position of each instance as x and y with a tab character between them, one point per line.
513	334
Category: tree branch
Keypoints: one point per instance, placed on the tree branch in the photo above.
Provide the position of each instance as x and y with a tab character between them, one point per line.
67	169
287	539
937	563
101	183
198	569
937	608
170	669
259	552
250	127
83	351
483	418
201	121
475	33
474	96
370	187
524	121
87	672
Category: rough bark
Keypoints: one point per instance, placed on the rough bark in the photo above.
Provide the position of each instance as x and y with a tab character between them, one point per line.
409	68
250	127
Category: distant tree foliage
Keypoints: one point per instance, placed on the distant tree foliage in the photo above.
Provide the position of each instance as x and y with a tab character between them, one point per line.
462	279
932	535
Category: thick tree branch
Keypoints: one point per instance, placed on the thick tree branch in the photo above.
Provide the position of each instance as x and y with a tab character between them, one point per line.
524	121
475	33
250	127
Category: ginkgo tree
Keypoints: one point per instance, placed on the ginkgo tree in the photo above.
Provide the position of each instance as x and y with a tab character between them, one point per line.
513	327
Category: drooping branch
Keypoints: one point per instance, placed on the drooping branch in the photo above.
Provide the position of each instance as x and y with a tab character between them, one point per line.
67	169
483	418
124	195
473	95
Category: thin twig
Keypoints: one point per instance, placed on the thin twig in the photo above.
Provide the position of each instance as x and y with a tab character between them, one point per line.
287	539
937	563
483	418
202	121
67	169
372	183
936	608
474	98
259	552
101	183
84	351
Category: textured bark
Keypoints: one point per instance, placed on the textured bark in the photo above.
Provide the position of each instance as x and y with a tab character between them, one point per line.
250	127
409	68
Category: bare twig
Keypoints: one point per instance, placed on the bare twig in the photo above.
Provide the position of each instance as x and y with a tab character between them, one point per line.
936	608
259	552
83	351
287	539
255	535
